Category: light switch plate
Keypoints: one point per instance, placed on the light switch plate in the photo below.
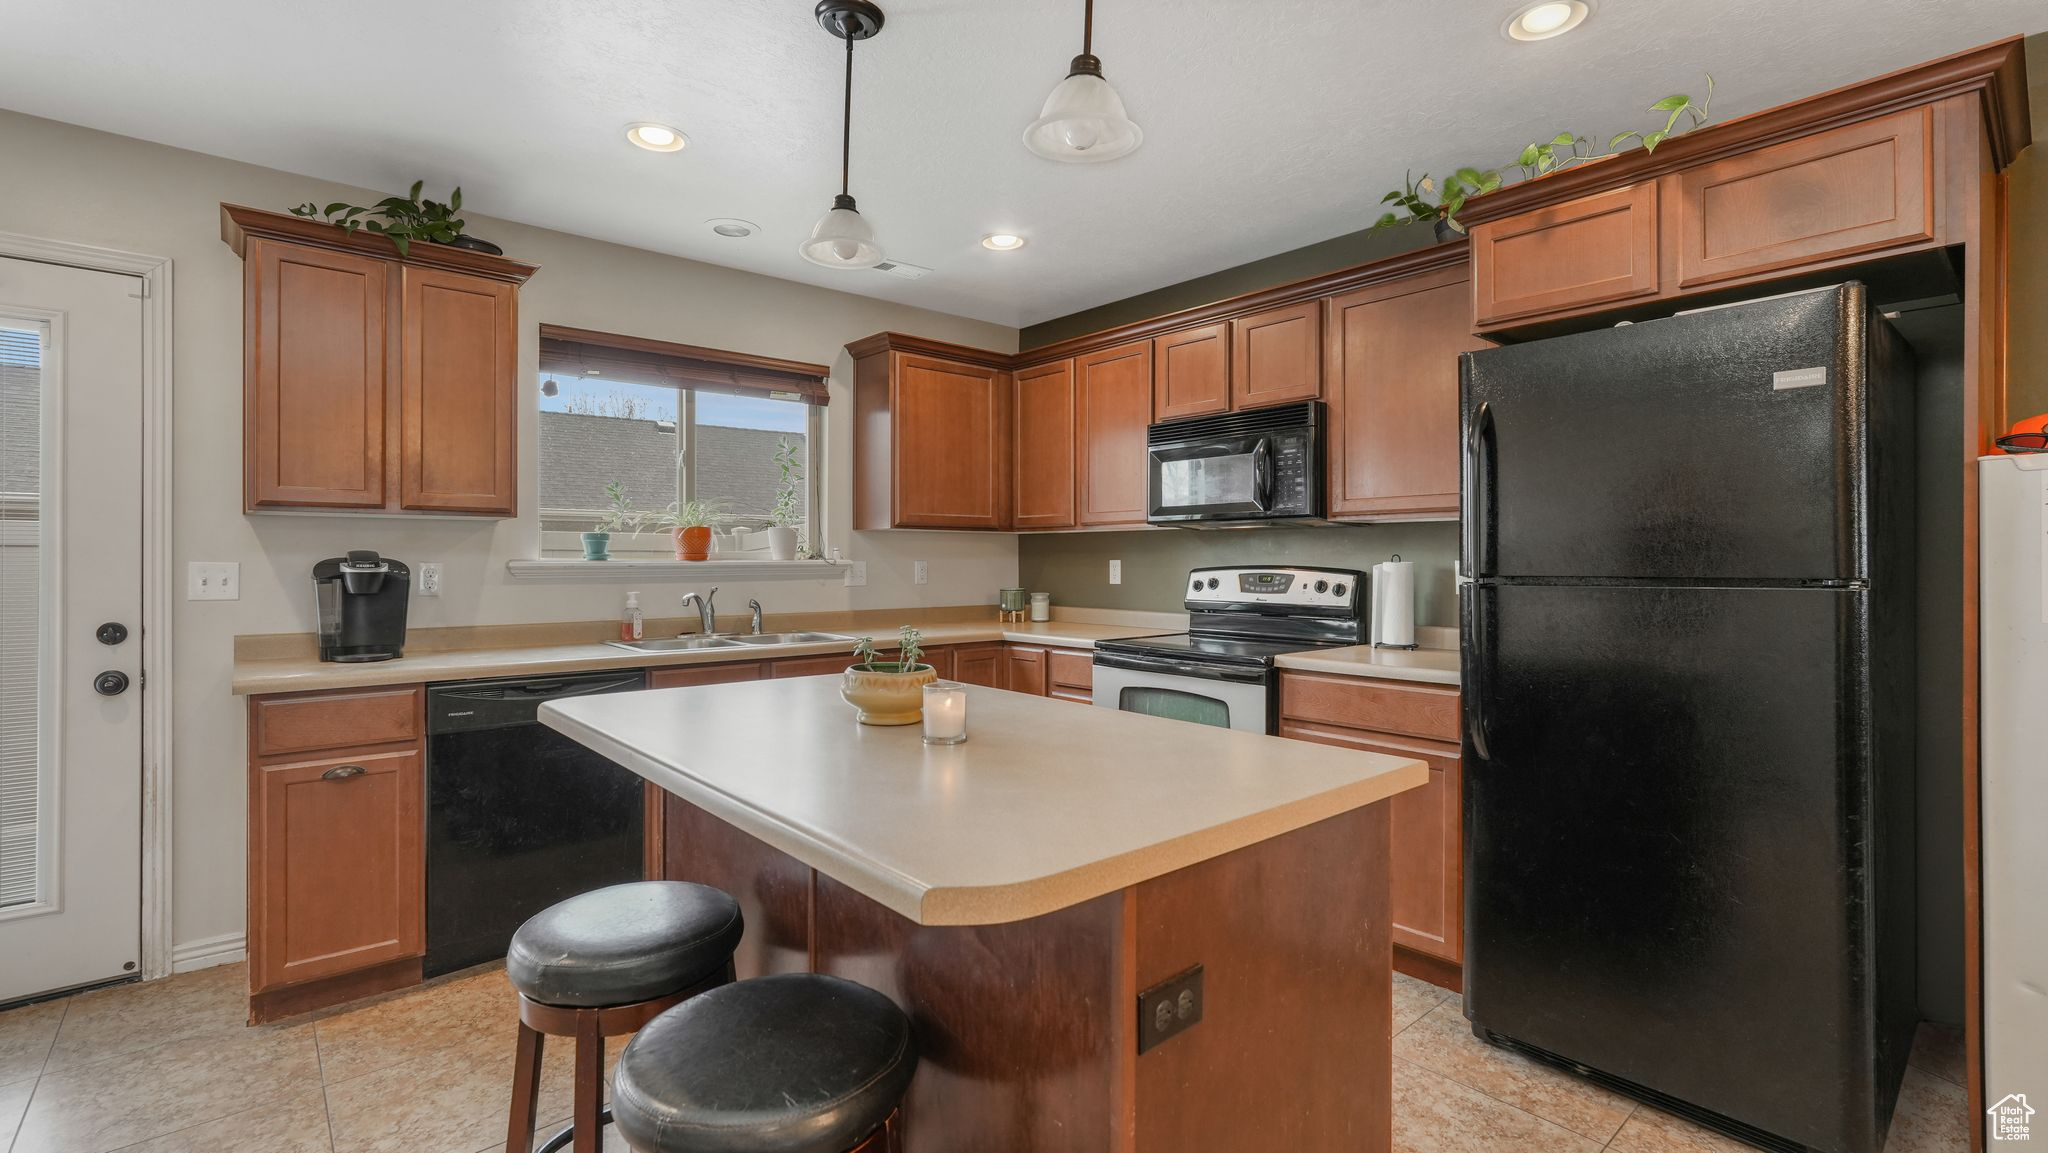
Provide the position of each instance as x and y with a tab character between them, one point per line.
856	574
430	579
919	574
213	581
1116	572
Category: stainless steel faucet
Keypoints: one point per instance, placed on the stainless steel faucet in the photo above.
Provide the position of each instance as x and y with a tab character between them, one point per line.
755	606
707	616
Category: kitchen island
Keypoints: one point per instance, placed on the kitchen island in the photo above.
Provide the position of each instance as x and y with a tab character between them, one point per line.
1017	894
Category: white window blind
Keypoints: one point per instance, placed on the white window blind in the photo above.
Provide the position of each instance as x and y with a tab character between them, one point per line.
20	610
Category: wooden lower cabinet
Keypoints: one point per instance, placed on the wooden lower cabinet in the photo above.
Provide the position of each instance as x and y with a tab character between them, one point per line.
1024	669
980	665
1426	867
722	674
1070	675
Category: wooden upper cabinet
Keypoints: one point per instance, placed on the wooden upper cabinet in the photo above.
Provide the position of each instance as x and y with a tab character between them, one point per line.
370	380
458	392
1113	391
1393	367
1276	355
1191	372
1044	485
932	437
313	377
1599	249
1838	193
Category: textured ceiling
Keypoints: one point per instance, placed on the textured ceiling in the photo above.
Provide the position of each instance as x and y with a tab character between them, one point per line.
1269	124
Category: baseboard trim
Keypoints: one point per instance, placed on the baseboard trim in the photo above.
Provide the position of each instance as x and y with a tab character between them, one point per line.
205	953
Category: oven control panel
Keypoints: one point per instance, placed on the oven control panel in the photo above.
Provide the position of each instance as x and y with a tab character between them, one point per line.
1337	592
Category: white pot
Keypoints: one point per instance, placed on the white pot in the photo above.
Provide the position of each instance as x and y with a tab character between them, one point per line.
781	543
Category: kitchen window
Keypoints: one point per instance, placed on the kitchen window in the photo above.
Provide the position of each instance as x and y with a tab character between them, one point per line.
672	423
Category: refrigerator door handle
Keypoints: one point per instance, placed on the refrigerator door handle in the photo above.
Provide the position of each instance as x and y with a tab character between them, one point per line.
1479	492
1479	643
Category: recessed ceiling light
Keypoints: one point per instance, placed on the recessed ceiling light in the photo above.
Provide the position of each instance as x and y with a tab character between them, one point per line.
1545	20
732	226
656	137
1002	241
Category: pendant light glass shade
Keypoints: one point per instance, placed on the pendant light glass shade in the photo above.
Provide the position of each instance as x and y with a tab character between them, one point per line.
1083	122
842	239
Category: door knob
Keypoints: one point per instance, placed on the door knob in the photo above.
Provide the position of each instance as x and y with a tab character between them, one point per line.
111	633
111	683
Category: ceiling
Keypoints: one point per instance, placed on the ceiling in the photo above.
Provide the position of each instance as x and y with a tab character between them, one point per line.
1269	124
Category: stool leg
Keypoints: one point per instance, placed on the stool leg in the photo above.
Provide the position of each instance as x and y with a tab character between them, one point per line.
525	1090
589	1084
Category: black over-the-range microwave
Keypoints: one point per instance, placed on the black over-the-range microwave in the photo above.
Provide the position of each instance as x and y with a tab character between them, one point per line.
1237	468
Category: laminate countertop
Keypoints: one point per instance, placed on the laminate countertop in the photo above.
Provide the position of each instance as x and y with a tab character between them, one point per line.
1045	806
291	674
1435	666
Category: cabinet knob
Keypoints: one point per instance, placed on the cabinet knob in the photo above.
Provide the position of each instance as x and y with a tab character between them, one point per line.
343	772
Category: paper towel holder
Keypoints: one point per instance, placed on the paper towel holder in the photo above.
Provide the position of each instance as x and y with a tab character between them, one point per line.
1392	614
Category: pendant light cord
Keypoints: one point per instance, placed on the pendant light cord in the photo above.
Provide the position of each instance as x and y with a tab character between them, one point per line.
846	118
1088	28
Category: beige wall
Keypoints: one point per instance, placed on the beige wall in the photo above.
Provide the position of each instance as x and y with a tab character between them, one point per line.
66	183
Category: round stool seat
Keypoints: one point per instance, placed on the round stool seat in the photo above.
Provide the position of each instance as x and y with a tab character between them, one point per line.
797	1063
624	943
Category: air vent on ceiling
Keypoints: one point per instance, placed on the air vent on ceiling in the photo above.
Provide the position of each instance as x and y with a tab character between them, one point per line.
901	268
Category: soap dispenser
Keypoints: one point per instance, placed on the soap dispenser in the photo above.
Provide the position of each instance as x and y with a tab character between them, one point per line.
632	625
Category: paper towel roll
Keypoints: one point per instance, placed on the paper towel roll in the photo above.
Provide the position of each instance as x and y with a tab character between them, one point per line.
1393	604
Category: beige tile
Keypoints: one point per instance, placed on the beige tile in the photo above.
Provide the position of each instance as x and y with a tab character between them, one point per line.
126	1018
1939	1050
25	1037
613	1143
13	1103
1434	1114
1442	1042
135	1096
1933	1116
419	1023
1414	998
295	1124
1650	1131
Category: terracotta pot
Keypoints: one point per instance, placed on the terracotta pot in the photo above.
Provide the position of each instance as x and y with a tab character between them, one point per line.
887	698
693	543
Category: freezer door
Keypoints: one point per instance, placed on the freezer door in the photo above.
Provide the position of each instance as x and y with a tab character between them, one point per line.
1664	862
1721	446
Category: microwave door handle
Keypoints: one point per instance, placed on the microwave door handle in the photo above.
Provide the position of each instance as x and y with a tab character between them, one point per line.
1262	475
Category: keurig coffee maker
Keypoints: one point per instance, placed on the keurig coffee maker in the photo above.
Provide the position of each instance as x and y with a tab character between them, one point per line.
361	598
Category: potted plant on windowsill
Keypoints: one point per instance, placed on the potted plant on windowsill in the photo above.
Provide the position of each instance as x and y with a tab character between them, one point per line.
619	516
784	518
888	692
691	521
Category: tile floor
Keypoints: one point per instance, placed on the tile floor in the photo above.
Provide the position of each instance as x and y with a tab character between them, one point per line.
170	1068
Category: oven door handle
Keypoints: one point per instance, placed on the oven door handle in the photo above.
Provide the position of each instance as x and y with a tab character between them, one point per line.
1170	667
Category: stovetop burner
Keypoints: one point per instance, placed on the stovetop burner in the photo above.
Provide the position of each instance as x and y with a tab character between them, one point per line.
1245	617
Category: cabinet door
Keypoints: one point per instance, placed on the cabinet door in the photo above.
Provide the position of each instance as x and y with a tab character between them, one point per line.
1191	372
979	665
1114	399
951	445
313	377
672	678
1044	489
1070	674
458	394
1024	670
1277	356
1393	356
811	666
1854	189
1595	250
337	865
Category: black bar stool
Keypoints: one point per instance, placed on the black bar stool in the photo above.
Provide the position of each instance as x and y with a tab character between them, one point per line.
602	964
796	1063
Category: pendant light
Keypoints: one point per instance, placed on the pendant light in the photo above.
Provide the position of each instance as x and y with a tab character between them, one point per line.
1083	121
842	239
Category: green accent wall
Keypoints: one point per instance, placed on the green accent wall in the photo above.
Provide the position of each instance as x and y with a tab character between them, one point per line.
2027	214
1074	567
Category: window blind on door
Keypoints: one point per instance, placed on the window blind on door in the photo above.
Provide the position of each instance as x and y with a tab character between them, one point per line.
20	612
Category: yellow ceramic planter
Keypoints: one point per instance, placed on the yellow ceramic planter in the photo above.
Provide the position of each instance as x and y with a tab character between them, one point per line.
887	698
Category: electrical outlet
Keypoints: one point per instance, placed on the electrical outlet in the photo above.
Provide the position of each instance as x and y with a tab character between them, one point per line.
1170	1008
1116	572
919	574
213	581
430	579
857	574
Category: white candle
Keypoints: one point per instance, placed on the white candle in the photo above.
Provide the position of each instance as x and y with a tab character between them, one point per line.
945	713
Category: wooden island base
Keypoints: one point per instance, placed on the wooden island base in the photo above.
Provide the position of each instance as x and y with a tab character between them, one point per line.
1029	1030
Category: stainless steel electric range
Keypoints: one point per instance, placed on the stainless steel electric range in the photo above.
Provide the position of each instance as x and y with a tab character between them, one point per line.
1220	672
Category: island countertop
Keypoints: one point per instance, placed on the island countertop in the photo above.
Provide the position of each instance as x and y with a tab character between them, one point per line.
1048	803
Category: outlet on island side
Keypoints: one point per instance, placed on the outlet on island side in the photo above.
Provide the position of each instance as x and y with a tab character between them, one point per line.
1170	1008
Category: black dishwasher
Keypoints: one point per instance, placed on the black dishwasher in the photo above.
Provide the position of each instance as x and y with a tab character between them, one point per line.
518	815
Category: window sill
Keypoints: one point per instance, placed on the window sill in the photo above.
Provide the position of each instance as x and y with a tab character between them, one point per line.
569	570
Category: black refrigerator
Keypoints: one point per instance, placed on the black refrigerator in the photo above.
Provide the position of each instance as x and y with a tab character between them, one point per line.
1688	700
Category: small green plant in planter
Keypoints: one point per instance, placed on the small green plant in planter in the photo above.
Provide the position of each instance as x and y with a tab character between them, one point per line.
784	517
888	692
402	220
619	516
691	521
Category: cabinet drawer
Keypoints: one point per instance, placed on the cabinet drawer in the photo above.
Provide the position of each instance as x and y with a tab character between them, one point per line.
704	675
1594	250
1405	708
1854	189
813	666
1070	674
308	721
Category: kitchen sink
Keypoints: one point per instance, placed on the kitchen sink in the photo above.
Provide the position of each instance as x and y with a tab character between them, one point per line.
675	644
791	638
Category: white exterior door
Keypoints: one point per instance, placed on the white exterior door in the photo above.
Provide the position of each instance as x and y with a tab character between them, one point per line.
70	627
